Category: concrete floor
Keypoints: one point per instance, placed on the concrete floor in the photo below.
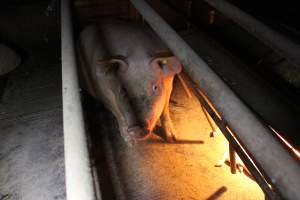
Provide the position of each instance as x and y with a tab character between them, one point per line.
31	147
157	170
31	140
31	137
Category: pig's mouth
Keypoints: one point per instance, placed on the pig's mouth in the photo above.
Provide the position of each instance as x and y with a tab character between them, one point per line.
138	133
135	134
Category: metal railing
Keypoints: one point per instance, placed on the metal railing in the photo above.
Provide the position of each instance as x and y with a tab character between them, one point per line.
276	41
79	180
270	156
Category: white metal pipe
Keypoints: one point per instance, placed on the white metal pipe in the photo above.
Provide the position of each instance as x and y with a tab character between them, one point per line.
79	181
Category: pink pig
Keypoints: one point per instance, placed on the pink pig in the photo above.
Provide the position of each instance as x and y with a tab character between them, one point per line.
128	68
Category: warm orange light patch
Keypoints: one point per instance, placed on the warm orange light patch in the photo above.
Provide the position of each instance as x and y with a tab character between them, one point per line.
187	169
240	166
154	169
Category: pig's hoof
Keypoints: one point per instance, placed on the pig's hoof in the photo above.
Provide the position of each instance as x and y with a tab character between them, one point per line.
170	136
171	139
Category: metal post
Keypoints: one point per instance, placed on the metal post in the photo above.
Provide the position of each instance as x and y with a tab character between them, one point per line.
270	155
232	159
79	182
280	44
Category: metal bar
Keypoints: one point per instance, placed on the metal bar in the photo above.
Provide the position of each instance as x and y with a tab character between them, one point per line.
264	101
279	43
213	130
79	181
269	154
185	87
232	141
232	159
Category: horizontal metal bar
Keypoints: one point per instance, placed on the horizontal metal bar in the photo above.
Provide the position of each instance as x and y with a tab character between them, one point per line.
273	109
79	181
270	155
276	41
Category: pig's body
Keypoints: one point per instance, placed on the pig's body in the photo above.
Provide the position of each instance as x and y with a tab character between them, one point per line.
130	70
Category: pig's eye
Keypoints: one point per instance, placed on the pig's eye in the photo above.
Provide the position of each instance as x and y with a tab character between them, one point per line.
155	89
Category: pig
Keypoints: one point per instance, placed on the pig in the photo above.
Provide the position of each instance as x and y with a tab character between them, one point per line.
128	68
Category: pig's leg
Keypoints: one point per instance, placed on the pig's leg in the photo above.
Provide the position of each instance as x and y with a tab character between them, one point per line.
115	99
166	120
167	125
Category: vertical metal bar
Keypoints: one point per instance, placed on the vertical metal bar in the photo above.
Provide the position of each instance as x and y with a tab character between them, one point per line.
280	44
184	85
232	160
213	130
79	182
270	156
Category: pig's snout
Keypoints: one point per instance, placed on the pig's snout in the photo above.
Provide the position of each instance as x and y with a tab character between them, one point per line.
138	133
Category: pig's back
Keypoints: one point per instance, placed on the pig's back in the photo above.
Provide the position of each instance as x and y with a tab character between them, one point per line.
126	39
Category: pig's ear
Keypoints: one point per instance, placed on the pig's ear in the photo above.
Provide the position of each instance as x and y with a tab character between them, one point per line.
169	65
113	64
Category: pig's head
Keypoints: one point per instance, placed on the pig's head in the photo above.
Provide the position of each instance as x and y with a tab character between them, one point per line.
148	83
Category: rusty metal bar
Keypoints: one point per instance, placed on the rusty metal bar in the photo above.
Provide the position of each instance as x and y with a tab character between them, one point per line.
232	159
270	155
79	181
213	130
276	41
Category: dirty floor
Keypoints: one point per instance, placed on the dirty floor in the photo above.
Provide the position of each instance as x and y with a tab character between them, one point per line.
31	137
156	170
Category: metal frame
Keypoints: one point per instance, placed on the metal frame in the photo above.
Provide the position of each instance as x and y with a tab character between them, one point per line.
271	157
235	146
279	43
79	180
